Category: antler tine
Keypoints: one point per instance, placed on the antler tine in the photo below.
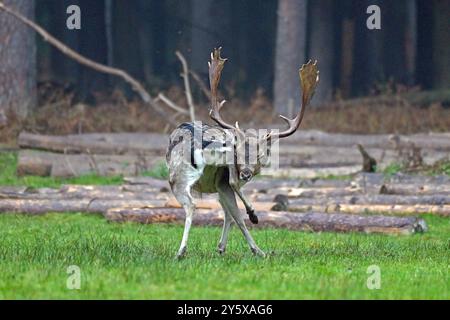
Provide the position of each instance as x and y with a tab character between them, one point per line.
309	77
215	70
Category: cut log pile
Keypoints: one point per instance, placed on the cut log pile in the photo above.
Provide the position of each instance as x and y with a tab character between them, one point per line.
352	205
307	154
302	202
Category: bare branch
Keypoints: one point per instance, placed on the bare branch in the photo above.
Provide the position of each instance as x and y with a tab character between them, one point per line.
171	104
200	83
187	86
136	85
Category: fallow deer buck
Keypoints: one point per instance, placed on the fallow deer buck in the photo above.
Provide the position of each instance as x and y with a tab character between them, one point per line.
196	152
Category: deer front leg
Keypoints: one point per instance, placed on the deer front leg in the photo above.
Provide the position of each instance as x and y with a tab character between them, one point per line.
234	183
248	206
228	201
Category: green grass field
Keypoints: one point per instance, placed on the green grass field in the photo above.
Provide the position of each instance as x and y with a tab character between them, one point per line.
137	261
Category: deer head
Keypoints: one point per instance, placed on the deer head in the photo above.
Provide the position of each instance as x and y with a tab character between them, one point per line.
309	77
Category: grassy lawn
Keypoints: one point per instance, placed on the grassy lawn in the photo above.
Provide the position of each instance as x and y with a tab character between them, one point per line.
137	261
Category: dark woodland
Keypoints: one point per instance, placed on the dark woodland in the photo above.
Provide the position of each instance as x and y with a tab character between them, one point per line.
407	61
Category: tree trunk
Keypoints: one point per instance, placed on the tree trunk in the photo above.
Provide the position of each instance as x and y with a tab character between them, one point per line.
424	62
399	26
347	50
63	70
253	47
368	51
147	13
109	32
125	35
18	61
322	47
172	31
441	47
289	54
93	45
411	41
209	30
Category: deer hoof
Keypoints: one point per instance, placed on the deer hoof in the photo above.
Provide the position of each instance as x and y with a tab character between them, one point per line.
181	253
258	252
221	250
253	217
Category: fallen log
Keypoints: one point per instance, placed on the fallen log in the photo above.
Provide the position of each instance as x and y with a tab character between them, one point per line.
402	189
402	184
267	185
315	192
37	163
368	199
149	181
438	141
379	178
316	222
310	173
303	142
395	209
90	198
329	207
386	209
97	143
319	156
213	204
258	184
68	192
42	206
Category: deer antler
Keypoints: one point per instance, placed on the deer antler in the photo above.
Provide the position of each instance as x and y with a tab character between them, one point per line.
309	77
215	70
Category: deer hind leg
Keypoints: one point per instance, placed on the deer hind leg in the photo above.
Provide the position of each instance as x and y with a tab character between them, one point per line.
228	201
183	195
227	224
